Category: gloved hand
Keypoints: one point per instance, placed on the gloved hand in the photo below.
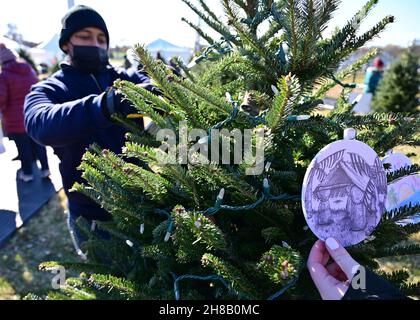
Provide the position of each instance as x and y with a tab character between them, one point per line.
115	102
150	87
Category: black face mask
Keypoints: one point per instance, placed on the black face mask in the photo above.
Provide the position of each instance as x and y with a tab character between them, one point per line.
90	59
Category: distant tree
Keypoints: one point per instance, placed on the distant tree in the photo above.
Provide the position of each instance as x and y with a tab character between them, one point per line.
25	55
399	88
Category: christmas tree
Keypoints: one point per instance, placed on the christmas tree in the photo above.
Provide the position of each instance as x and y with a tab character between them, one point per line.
216	229
25	55
398	91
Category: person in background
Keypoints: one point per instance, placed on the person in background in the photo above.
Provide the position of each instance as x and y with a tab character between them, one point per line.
373	76
72	109
16	79
333	271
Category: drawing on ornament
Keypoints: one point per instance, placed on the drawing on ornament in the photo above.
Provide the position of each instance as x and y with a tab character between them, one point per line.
344	192
403	191
396	161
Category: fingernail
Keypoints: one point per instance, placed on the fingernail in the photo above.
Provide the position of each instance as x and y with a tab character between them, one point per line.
332	244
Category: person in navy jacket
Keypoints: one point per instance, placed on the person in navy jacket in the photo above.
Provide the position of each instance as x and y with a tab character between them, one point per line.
72	109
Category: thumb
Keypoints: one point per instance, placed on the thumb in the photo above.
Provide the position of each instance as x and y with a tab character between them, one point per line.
342	258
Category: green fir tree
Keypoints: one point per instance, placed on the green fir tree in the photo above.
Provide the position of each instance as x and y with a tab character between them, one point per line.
398	91
210	231
25	55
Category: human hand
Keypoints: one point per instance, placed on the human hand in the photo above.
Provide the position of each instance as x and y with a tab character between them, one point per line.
116	103
334	279
150	87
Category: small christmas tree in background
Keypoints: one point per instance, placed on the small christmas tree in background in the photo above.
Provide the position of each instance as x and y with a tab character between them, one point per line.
25	55
398	91
211	231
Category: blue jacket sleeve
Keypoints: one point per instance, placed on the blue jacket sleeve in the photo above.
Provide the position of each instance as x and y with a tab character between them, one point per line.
131	75
59	124
137	77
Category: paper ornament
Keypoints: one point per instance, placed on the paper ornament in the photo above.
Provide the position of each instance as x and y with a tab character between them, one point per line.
344	191
405	190
396	161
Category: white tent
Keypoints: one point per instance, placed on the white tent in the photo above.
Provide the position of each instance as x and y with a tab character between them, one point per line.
51	45
41	56
11	44
169	50
165	48
47	52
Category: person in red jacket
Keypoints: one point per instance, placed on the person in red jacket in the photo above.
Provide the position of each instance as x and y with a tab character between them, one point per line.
16	79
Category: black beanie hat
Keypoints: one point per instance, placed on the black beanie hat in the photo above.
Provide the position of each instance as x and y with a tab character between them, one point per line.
78	18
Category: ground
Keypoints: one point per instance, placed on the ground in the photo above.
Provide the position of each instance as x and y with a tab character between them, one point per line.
44	238
410	263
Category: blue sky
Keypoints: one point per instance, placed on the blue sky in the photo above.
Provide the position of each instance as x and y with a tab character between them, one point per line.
142	21
407	14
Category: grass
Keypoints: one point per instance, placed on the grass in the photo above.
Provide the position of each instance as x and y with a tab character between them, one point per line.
335	92
43	238
409	263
